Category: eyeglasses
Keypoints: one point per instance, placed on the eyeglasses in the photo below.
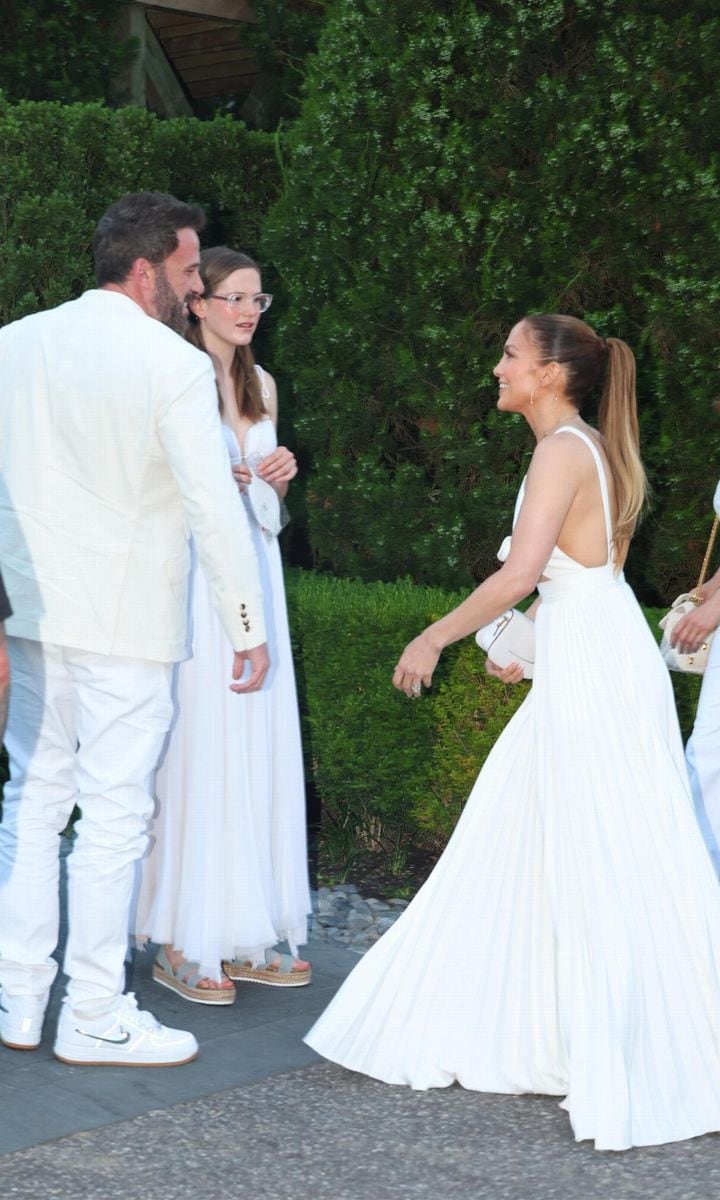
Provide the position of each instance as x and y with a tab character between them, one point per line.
262	301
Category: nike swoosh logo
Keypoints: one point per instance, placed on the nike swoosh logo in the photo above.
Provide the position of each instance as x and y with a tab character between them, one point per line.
112	1041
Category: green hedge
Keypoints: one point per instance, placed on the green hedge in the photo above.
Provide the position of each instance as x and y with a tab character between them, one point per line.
393	774
64	50
62	165
453	167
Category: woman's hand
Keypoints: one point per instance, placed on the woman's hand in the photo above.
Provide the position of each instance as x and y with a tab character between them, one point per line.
278	467
511	674
416	665
696	627
241	474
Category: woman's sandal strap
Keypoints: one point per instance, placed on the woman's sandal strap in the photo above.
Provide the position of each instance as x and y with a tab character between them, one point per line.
281	963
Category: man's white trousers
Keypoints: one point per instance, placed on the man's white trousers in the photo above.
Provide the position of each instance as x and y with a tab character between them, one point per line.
83	729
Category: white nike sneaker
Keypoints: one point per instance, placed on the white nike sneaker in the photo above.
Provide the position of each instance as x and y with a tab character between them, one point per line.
21	1020
125	1037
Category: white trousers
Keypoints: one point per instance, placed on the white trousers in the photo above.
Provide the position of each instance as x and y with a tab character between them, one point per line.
83	729
702	755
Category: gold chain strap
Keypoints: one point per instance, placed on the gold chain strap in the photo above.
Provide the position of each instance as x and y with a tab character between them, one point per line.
706	561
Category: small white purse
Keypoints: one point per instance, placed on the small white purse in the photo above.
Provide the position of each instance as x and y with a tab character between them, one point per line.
268	509
510	639
695	663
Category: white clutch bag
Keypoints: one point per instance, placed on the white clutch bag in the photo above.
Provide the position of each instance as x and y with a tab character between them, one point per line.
510	639
268	510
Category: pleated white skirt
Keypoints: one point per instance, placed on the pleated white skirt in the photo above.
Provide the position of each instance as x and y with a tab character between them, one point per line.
568	941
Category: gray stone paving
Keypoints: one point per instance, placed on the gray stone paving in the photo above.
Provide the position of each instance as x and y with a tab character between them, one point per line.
321	1133
260	1035
258	1114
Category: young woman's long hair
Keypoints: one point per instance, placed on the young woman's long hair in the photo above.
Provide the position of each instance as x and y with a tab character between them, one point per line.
587	359
215	265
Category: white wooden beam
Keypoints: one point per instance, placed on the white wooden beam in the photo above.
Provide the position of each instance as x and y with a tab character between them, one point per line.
162	77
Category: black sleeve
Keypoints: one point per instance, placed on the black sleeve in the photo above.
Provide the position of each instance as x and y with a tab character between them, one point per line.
5	609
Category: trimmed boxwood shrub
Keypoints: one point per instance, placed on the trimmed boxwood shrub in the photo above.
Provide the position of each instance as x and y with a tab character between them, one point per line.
453	167
393	774
62	165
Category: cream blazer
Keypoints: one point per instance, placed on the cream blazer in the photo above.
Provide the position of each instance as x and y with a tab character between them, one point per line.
111	455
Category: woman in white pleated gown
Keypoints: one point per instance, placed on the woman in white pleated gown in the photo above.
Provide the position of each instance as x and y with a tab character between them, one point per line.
226	877
568	941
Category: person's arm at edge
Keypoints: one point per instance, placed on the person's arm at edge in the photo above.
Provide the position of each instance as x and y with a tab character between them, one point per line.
4	681
279	467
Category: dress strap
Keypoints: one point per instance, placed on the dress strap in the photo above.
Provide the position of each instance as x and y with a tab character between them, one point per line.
264	390
601	474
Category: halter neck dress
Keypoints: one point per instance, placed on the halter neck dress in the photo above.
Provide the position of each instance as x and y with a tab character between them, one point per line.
226	875
568	940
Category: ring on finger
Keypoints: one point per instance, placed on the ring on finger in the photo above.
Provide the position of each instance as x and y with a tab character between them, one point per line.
416	688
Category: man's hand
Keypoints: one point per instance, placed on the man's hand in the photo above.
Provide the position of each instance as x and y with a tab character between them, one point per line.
259	660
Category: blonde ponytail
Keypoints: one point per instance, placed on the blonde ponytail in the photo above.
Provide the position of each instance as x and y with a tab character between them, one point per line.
587	359
618	423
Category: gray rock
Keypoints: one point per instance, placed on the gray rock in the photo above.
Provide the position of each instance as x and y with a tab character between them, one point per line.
358	920
342	915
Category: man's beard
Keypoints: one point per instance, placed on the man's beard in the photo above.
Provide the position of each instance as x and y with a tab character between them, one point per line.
171	311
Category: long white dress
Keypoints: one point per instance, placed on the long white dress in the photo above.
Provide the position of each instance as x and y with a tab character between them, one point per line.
568	941
226	874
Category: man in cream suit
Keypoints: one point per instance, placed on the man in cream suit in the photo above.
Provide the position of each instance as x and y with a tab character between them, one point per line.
111	452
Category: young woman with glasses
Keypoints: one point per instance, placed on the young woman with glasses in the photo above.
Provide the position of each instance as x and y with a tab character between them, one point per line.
226	878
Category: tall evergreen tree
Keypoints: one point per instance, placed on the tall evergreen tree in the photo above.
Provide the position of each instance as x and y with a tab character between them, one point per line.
454	166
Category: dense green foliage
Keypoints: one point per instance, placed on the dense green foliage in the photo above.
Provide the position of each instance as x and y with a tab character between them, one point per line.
453	167
64	164
393	774
282	38
61	49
